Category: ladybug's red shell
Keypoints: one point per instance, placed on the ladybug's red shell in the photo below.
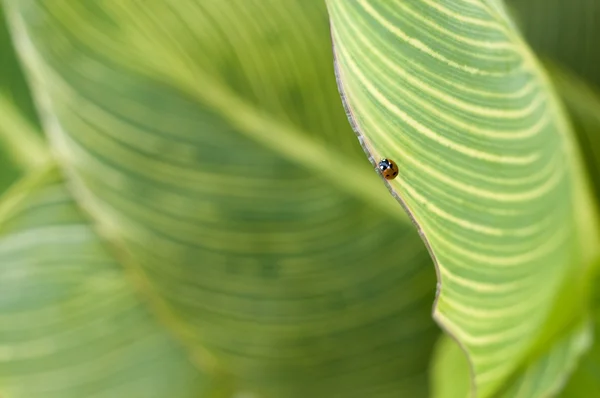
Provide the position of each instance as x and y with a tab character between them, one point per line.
388	169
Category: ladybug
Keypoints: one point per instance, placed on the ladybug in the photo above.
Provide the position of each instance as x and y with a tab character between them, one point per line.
388	168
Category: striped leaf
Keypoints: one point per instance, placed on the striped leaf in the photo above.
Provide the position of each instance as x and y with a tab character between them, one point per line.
71	325
488	168
208	141
542	377
547	376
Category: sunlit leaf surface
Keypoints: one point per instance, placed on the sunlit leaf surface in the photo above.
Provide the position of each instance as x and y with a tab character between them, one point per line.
488	168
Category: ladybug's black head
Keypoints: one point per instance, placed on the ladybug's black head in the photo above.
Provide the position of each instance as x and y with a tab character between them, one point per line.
384	164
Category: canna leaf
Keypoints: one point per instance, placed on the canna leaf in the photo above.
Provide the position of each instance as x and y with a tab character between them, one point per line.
208	142
564	33
71	323
488	168
22	150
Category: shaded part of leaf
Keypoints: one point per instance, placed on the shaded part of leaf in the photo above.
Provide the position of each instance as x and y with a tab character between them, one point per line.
21	143
582	101
12	79
70	323
565	31
9	171
585	381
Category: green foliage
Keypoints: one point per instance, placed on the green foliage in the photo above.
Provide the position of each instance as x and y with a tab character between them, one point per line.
218	161
17	114
72	324
490	172
203	222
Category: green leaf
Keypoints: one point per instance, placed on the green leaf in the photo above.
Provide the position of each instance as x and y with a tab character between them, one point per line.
450	375
565	34
543	377
565	31
488	167
582	101
571	60
547	376
10	161
12	80
71	324
566	335
208	142
585	382
21	146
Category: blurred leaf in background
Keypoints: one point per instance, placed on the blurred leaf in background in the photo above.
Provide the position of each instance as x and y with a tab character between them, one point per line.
71	323
565	33
12	80
21	142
